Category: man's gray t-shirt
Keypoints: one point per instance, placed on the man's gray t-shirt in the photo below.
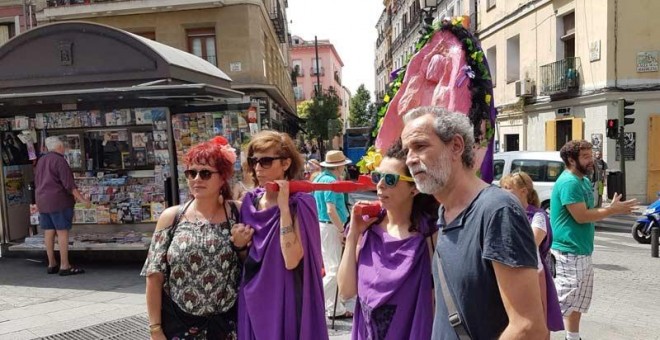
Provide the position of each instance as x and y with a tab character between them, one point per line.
494	227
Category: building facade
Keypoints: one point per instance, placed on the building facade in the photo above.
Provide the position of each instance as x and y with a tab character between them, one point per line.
559	69
383	61
16	16
310	77
247	39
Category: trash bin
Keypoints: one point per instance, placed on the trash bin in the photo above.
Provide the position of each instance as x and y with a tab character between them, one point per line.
614	183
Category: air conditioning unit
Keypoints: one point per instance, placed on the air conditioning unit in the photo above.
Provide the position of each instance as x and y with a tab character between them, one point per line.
525	88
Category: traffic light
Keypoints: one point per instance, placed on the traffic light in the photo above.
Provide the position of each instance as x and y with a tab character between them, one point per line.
627	111
613	128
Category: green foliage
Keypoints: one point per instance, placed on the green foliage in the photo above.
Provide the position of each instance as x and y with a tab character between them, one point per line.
320	111
360	115
303	109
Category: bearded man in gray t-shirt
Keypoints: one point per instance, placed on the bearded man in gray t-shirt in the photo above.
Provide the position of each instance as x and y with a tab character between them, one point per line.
484	243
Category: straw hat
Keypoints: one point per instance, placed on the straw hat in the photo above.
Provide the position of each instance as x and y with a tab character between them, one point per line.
335	158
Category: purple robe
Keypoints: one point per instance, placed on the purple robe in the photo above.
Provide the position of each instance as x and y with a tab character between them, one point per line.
273	302
555	319
395	291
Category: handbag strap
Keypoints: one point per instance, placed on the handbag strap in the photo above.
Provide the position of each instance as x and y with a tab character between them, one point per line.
182	210
454	318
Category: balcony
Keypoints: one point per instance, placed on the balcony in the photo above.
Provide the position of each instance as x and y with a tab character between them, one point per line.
561	78
314	71
277	17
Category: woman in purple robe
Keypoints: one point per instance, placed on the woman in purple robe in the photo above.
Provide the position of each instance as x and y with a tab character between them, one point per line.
387	260
281	292
522	186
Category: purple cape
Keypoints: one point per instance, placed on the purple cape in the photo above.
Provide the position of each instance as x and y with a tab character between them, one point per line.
555	319
395	289
273	302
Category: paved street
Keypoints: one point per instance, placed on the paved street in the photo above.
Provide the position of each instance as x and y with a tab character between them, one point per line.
109	300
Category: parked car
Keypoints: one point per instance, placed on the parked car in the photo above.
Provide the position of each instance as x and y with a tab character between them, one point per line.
544	167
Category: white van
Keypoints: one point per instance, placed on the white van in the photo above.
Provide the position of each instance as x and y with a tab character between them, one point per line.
544	167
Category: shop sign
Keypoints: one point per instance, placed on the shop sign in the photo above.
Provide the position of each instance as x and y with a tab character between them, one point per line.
647	61
629	142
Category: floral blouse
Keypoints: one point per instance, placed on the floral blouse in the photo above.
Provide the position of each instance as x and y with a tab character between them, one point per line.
204	269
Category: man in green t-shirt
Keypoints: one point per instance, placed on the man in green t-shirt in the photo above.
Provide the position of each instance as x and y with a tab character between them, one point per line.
572	217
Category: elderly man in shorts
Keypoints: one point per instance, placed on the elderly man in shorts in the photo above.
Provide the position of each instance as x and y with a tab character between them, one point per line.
55	194
572	216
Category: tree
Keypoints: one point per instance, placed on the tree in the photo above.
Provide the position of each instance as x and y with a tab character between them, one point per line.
303	108
360	114
320	112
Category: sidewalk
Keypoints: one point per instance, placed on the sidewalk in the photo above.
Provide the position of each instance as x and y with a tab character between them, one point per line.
34	304
107	302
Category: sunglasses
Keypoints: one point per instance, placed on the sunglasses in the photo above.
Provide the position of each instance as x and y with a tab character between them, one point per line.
390	179
204	175
265	162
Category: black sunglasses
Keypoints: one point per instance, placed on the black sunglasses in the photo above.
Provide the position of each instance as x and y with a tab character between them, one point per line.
205	175
390	179
265	162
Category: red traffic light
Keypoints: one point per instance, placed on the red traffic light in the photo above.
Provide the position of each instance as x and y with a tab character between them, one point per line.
610	123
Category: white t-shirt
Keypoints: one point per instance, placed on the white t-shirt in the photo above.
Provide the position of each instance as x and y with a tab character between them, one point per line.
538	221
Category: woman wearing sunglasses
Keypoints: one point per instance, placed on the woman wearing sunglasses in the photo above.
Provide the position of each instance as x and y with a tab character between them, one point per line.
521	186
192	269
281	292
387	260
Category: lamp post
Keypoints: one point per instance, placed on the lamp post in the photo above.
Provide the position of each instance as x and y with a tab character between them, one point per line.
428	7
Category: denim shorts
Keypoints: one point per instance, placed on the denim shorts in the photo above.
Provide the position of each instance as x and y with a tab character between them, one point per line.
59	220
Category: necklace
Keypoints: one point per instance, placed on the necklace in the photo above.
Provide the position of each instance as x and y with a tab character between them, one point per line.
201	222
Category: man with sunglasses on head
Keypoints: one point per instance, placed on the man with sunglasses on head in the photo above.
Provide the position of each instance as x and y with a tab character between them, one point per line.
485	257
333	214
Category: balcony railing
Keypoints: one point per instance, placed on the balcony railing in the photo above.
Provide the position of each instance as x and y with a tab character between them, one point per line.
313	70
561	77
277	17
58	3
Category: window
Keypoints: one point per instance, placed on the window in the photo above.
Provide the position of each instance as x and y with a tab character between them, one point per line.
7	31
149	35
568	36
491	56
297	66
201	42
539	170
318	88
498	166
317	69
490	4
513	59
298	93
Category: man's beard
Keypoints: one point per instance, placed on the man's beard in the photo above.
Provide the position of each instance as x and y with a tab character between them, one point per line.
584	170
437	175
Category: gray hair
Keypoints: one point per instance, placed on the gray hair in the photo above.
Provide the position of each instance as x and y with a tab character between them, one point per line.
447	125
53	142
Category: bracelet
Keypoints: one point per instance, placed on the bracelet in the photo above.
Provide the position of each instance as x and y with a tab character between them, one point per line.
237	249
155	328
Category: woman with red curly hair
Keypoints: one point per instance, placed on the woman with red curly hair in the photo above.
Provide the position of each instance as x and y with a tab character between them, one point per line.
193	269
281	294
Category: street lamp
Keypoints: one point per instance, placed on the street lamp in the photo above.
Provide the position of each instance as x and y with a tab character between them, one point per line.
428	7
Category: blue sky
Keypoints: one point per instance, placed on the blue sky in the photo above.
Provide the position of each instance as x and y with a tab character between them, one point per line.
349	25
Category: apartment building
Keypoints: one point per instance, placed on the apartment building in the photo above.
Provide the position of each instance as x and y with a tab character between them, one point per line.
559	69
314	74
247	39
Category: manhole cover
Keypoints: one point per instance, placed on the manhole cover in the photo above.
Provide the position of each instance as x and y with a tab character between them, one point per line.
134	327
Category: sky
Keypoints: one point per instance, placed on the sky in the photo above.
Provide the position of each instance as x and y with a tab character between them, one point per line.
350	25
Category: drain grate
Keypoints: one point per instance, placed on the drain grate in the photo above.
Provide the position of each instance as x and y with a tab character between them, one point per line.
134	328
